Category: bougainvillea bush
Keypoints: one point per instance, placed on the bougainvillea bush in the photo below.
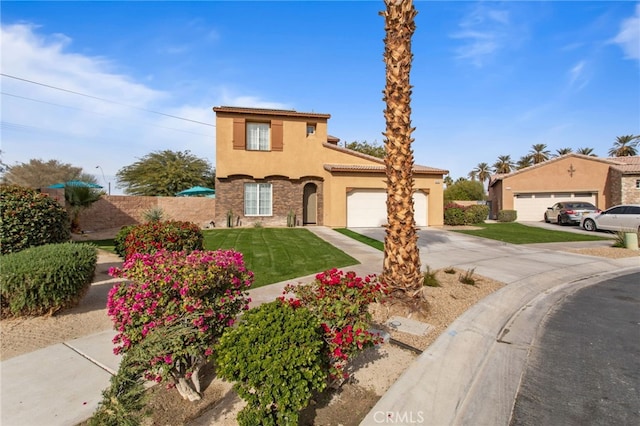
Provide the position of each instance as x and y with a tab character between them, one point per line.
169	235
340	301
202	290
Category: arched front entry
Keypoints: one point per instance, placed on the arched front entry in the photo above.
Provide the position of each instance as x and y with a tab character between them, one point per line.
310	204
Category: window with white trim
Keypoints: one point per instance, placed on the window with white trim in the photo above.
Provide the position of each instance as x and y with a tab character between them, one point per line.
637	183
258	136
257	199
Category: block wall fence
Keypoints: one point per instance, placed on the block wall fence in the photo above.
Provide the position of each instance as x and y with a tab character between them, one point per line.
116	211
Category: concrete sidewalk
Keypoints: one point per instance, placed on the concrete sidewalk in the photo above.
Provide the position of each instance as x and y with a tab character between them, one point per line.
468	373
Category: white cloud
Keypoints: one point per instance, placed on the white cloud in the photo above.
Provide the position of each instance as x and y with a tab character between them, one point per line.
577	75
628	37
483	32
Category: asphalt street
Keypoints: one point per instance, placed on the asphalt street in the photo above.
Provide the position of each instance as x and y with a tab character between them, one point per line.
584	368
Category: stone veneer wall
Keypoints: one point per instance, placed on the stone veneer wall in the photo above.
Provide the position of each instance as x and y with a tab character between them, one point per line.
286	196
116	211
630	194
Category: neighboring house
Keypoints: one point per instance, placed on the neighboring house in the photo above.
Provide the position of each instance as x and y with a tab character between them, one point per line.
271	164
604	182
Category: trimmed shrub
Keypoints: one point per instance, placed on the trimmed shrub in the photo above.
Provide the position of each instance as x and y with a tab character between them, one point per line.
454	214
42	280
169	235
507	216
341	303
476	213
276	358
30	218
199	294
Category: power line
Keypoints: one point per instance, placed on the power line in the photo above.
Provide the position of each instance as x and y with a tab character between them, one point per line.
105	100
98	113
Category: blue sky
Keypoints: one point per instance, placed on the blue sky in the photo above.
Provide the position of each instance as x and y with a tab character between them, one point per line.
490	78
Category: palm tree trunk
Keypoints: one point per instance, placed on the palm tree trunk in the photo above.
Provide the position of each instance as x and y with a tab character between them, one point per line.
401	268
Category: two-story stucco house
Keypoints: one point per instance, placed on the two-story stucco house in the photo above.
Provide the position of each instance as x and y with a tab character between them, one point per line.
272	164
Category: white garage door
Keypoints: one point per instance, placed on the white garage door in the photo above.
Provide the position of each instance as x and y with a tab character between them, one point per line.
367	208
530	207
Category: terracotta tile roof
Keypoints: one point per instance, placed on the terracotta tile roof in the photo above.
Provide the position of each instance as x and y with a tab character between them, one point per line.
266	111
372	168
627	165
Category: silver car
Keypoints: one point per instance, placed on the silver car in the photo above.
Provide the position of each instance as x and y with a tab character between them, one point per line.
568	212
623	218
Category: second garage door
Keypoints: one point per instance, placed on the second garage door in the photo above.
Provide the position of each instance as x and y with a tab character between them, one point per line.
530	207
367	208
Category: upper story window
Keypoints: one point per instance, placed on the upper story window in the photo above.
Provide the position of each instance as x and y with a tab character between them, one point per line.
311	129
258	136
637	183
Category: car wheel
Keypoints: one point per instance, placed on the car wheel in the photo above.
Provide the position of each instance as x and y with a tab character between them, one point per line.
589	225
546	219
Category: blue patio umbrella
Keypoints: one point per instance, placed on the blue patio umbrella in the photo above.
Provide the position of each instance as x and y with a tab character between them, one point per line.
195	191
75	183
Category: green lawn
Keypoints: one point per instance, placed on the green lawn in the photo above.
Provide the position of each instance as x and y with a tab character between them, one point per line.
516	233
273	254
278	254
362	238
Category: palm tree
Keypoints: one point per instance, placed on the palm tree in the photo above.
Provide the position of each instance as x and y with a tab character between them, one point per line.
586	151
483	171
503	165
79	198
401	266
472	175
524	162
625	146
563	151
448	180
539	153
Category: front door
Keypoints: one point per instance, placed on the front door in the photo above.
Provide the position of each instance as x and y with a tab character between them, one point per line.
310	204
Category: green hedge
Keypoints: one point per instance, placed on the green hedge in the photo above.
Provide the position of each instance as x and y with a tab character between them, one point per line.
456	215
42	280
507	215
29	218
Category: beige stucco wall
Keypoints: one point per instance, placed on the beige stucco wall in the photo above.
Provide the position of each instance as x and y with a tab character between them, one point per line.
555	176
339	185
298	158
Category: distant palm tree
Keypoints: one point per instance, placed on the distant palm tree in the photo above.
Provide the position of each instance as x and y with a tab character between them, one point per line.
483	171
625	146
401	264
503	165
448	180
539	153
524	162
563	151
472	175
586	151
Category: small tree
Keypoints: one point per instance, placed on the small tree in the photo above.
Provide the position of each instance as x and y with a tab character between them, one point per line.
165	173
465	190
79	198
365	147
